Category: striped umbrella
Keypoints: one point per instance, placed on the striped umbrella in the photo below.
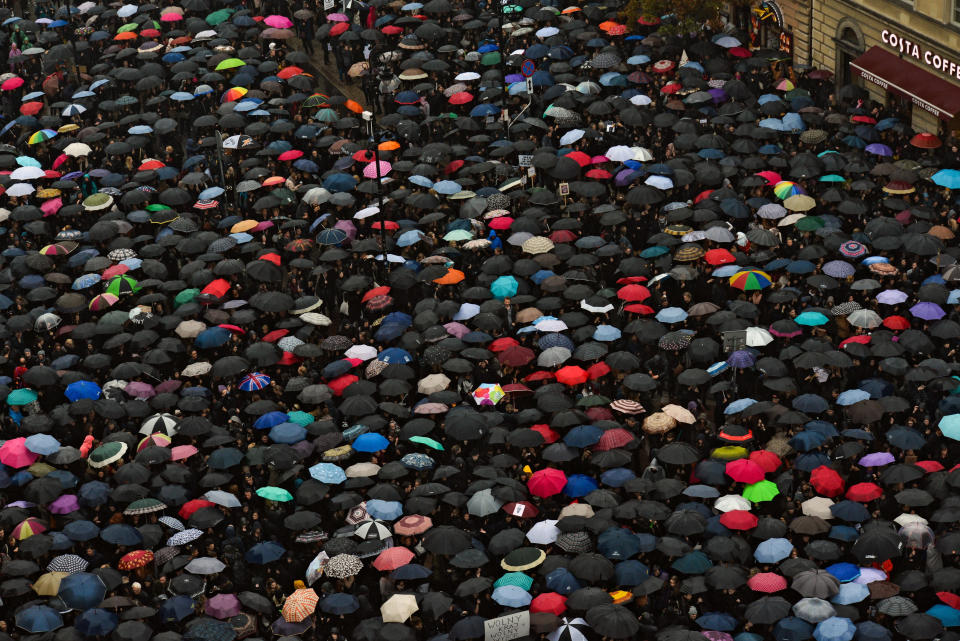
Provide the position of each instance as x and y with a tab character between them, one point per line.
103	301
254	381
750	280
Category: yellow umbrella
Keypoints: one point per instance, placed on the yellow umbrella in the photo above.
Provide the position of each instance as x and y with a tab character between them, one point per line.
729	453
49	583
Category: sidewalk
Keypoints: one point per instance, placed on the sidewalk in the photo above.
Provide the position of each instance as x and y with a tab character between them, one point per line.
327	77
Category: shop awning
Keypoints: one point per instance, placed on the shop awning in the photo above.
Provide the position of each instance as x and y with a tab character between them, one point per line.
926	90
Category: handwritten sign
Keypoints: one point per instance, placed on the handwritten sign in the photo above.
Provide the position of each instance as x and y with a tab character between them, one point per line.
505	628
525	159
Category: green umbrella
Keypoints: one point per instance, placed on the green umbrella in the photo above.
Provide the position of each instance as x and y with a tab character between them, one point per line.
425	440
185	296
272	493
832	178
519	579
122	284
809	223
97	201
221	15
22	396
490	59
761	491
230	63
130	26
300	418
107	454
284	195
326	115
594	400
157	207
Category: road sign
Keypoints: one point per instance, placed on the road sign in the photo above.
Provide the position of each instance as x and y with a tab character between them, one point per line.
527	68
530	86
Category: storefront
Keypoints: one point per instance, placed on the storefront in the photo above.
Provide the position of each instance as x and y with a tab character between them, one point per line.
899	55
768	28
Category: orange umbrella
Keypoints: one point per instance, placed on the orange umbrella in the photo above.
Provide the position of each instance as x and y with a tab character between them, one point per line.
452	277
300	605
376	291
126	35
353	105
388	145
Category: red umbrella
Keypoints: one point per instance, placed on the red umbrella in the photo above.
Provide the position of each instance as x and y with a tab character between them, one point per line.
461	98
925	141
572	375
864	492
538	376
150	163
290	154
739	52
549	602
950	599
633	293
671	88
275	335
376	291
579	157
597	370
549	436
719	257
599	174
767	460
547	482
930	467
341	383
217	289
664	66
744	471
31	108
12	83
562	236
500	223
738	520
614	438
502	344
339	28
637	308
767	582
516	356
388	224
393	558
771	177
188	508
289	72
522	509
826	481
896	323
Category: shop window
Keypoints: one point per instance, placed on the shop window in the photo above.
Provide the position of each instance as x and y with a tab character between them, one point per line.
956	11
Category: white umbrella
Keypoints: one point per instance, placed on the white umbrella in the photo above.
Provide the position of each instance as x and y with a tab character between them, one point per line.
544	532
433	383
363	352
642	154
818	506
571	136
619	153
467	76
77	149
196	369
20	189
27	173
398	608
641	100
570	630
660	182
730	502
226	499
758	337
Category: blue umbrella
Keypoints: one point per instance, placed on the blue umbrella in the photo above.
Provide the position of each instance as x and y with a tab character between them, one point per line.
384	510
38	618
418	461
950	617
606	333
81	531
176	609
82	389
121	534
719	621
371	442
871	631
949	178
844	572
851	396
792	629
96	622
671	315
328	473
850	511
270	419
288	433
504	287
410	572
411	237
583	436
212	337
339	182
447	187
265	552
617	476
512	596
42	444
773	550
331	236
695	562
810	403
617	544
579	485
394	355
835	629
82	590
339	603
850	593
631	572
562	581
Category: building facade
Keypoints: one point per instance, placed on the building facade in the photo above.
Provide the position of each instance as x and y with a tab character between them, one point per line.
899	50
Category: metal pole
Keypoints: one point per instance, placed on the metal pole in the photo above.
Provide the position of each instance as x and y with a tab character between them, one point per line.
383	218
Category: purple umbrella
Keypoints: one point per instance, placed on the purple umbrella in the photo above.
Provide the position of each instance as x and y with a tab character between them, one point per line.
879	150
719	95
168	386
876	459
348	227
512	78
138	389
64	505
626	176
891	297
838	269
223	606
741	358
927	311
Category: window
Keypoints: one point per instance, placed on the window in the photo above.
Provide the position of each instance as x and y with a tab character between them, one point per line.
956	10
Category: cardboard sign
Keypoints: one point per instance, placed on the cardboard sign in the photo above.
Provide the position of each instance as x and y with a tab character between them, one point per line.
328	4
564	189
525	159
512	626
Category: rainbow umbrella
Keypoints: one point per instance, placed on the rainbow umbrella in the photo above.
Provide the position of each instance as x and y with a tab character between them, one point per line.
41	136
785	188
750	280
233	94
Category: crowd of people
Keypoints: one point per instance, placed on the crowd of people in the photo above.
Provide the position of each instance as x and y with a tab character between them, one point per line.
663	349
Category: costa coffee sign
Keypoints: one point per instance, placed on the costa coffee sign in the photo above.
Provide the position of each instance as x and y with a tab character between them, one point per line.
915	50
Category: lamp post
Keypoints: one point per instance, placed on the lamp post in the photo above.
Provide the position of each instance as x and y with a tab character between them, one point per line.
369	118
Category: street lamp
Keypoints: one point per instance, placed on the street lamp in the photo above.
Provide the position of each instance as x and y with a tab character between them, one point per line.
369	118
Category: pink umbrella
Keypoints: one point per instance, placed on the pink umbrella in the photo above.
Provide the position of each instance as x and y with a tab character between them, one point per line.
348	228
114	270
337	17
181	452
138	389
456	329
278	22
173	16
64	504
222	606
168	386
15	453
370	171
51	207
